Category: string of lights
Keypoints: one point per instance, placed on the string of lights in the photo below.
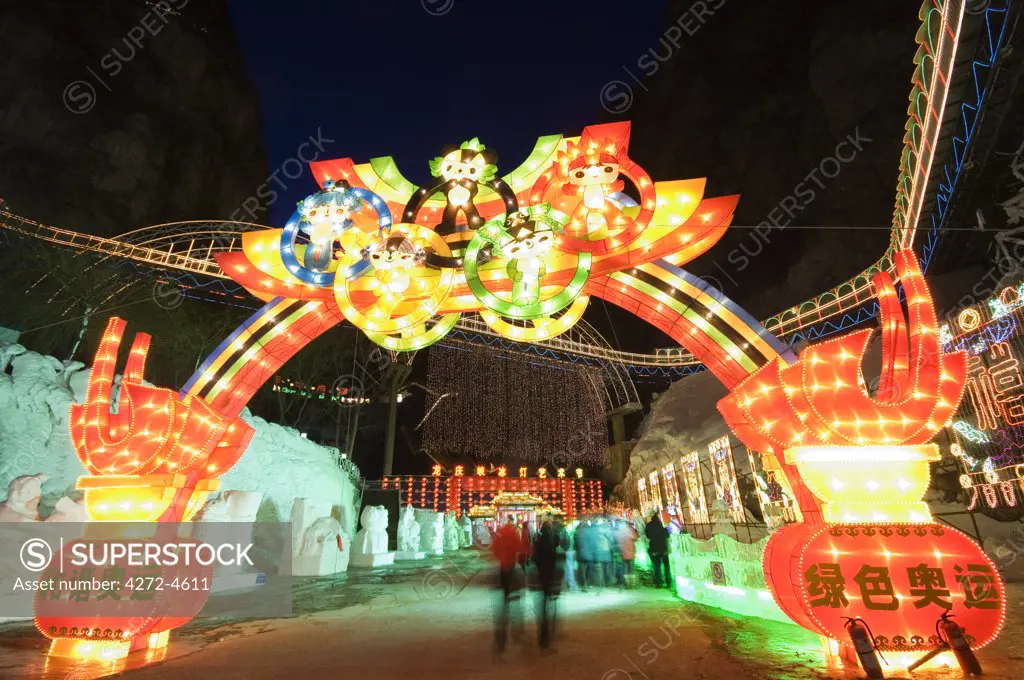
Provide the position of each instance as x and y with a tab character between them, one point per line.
505	405
988	429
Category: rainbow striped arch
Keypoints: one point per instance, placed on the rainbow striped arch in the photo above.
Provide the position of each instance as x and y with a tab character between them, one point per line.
625	251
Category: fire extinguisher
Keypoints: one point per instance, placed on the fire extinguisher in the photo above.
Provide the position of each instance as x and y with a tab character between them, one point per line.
953	635
864	645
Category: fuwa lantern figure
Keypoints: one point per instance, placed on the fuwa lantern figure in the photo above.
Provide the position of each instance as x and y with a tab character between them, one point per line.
393	260
461	174
586	181
325	215
593	175
868	549
526	242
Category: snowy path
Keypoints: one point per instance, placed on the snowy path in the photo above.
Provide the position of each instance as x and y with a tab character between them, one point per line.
427	623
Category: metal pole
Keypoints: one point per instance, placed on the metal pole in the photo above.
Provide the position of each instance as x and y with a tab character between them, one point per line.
350	436
389	444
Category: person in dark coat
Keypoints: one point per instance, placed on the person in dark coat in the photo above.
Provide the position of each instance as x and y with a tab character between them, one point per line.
603	554
586	549
547	558
657	548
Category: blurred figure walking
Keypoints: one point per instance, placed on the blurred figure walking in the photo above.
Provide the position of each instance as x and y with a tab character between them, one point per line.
586	546
568	541
604	546
526	536
657	547
509	550
626	536
547	558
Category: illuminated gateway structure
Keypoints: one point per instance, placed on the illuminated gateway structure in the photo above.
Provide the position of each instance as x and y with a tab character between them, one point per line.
518	256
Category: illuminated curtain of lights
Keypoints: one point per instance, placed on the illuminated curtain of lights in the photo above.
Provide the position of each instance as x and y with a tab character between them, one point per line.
504	405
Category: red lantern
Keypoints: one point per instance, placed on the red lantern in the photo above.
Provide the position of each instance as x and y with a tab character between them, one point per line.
899	578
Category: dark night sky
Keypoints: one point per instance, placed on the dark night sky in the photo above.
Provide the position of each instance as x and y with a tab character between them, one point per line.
387	77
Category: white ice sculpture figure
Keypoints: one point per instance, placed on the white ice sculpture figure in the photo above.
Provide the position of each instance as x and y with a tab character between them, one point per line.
431	531
482	535
721	519
23	494
316	534
233	506
465	532
409	536
67	510
373	537
314	540
230	518
370	547
451	533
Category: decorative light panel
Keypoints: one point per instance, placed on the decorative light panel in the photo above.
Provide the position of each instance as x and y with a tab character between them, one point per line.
668	478
723	469
693	485
988	430
654	492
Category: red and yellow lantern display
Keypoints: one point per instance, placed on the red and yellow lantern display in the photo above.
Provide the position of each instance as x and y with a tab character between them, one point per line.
898	577
155	460
859	465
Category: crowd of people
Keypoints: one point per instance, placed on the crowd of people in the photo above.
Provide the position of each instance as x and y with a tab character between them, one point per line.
597	553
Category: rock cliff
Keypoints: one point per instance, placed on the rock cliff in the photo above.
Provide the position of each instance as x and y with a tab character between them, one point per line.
118	114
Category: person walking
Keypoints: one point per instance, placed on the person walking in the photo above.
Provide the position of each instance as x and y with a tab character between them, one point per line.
547	559
657	547
603	549
627	538
508	549
526	536
585	548
568	543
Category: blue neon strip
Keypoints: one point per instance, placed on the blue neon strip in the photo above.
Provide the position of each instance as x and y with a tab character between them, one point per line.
222	347
991	44
326	279
722	299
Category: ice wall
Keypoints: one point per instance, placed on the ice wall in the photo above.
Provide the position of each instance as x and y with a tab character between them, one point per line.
36	393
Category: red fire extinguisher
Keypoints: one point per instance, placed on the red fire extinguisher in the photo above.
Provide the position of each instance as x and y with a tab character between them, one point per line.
953	635
864	645
338	537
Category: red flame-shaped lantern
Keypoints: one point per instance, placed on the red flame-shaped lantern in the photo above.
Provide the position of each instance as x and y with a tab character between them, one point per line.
858	464
155	460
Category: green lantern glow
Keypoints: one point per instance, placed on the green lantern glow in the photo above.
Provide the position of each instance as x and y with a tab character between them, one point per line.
526	239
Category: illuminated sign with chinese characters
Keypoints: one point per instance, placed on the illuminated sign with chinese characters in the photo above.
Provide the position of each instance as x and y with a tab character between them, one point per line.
900	578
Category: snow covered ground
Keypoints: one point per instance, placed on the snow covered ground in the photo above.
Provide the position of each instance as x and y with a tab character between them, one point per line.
434	620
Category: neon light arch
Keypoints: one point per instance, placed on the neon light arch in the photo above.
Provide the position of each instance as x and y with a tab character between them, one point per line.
671	225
